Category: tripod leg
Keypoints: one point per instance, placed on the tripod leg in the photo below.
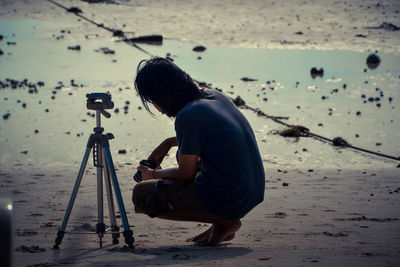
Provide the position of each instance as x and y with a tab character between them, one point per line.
114	228
63	226
100	227
128	234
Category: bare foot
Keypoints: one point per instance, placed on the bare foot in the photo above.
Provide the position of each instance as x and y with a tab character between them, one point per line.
201	237
222	231
205	236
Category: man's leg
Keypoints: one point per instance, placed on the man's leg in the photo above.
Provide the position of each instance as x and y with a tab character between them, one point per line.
180	203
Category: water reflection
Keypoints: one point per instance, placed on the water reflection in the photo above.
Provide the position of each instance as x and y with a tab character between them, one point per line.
350	100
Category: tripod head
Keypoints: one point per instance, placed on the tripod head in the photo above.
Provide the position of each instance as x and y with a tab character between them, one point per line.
100	102
105	102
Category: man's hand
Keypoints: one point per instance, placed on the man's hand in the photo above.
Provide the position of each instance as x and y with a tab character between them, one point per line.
147	173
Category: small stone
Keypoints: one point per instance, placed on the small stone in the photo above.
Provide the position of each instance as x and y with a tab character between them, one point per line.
6	116
373	61
246	79
317	72
199	48
75	48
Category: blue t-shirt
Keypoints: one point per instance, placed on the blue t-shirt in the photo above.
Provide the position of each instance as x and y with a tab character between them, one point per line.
231	182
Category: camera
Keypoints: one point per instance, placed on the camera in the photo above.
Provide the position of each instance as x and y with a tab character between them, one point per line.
146	162
99	101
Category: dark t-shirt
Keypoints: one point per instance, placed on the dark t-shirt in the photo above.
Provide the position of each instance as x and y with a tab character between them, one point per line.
231	181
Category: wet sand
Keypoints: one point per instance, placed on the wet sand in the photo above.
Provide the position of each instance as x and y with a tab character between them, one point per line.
323	206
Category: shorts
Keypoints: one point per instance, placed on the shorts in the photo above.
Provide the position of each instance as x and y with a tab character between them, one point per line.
159	197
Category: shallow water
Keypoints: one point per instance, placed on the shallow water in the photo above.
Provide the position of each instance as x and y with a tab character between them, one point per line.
284	87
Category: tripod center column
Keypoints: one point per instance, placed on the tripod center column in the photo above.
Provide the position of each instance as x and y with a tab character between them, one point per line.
98	119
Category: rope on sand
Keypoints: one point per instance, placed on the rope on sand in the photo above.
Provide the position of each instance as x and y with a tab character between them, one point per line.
301	131
289	131
117	33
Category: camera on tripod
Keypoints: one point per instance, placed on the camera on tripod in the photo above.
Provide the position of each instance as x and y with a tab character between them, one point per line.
94	103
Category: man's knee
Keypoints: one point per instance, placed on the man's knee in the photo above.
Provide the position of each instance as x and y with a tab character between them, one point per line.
147	199
142	190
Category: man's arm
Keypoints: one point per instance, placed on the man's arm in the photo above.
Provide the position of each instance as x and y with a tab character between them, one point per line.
161	151
186	171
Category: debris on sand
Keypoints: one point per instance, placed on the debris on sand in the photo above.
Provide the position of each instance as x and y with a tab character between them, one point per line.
101	2
340	234
9	83
118	33
238	101
74	9
199	48
246	79
317	72
364	218
385	26
105	50
294	131
361	35
280	215
6	116
74	47
339	141
373	61
26	232
122	151
147	39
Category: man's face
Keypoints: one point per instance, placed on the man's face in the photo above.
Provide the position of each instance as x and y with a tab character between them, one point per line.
158	108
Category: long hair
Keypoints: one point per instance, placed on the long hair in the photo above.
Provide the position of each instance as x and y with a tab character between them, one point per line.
159	81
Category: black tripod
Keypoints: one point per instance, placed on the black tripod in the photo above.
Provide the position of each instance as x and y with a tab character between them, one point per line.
98	141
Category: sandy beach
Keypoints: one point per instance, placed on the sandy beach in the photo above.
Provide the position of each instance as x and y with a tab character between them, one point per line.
324	205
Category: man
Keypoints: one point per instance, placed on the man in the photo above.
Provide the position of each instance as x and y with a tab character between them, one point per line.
211	130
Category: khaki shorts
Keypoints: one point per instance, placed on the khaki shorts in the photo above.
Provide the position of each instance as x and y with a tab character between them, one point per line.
158	197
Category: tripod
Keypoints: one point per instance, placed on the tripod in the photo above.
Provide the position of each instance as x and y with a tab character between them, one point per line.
98	142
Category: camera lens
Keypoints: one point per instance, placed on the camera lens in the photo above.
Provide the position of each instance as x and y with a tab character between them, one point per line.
138	177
